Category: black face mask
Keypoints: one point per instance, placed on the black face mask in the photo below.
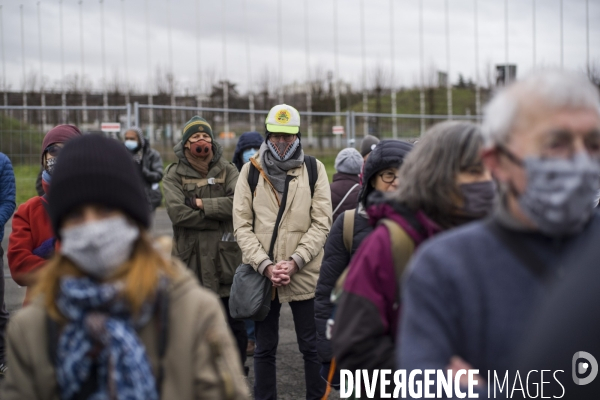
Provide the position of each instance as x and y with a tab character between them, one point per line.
479	198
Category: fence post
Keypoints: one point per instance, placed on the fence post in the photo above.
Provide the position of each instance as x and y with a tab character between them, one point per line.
136	113
348	137
353	125
128	115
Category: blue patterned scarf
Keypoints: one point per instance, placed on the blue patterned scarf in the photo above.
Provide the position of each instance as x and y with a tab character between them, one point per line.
99	321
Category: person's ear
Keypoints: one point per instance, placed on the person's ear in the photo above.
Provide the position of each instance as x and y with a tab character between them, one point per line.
493	161
187	144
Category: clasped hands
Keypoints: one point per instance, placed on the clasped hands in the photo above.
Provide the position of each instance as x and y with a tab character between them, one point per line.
281	273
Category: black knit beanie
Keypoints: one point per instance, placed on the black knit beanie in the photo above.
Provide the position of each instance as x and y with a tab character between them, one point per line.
388	153
93	169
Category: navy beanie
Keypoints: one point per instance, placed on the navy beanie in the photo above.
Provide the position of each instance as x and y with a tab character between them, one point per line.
93	169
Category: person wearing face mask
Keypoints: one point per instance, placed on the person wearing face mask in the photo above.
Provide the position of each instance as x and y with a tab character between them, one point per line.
114	316
247	145
442	184
348	232
199	191
470	294
296	184
149	163
32	241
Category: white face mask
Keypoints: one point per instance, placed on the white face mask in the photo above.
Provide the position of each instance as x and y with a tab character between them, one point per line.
98	248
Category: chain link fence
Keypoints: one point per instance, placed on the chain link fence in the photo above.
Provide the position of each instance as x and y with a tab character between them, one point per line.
22	130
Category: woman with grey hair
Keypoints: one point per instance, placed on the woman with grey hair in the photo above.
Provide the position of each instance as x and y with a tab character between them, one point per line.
442	184
149	162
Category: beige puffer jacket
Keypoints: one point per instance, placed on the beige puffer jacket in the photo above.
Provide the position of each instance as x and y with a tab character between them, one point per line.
303	229
201	359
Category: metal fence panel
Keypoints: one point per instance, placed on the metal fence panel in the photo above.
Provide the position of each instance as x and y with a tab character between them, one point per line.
22	130
163	126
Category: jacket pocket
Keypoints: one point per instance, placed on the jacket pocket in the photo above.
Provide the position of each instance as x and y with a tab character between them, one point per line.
230	256
186	255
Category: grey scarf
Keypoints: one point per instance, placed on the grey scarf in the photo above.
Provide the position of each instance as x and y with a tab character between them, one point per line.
277	170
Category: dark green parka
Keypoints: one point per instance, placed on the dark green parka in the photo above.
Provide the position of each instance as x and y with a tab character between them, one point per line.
198	234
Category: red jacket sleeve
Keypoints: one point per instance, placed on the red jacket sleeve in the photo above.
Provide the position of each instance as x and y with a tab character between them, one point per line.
30	227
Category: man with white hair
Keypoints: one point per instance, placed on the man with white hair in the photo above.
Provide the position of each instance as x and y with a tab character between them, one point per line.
469	294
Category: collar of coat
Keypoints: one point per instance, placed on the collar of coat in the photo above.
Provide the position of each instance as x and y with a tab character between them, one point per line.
256	161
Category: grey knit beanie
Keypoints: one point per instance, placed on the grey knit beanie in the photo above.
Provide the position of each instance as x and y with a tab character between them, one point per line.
368	144
349	161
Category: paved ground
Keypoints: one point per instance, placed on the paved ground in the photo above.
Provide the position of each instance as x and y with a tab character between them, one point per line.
290	370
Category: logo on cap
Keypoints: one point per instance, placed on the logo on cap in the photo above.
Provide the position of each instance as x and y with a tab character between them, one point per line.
283	117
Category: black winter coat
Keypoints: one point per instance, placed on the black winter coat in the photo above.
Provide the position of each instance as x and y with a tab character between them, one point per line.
342	183
151	168
335	261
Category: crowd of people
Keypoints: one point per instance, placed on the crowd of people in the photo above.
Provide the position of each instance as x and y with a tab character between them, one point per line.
427	255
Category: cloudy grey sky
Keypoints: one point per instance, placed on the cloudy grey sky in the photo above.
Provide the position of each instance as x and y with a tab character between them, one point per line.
260	27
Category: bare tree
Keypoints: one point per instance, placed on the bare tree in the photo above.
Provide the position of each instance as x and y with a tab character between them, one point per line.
593	72
379	81
264	86
113	86
490	76
31	81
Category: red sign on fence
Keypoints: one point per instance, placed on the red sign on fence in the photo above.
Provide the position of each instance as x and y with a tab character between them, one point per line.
110	127
338	130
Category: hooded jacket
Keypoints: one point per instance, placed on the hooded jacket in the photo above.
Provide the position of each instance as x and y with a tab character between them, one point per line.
342	185
388	154
364	333
151	168
302	232
335	261
246	141
201	360
31	242
198	234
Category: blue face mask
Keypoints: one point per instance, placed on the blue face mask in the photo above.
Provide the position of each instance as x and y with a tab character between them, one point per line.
247	154
132	145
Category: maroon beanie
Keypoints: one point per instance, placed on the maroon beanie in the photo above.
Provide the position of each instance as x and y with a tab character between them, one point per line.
59	134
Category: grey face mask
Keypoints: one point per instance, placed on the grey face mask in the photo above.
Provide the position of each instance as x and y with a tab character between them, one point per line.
99	248
561	194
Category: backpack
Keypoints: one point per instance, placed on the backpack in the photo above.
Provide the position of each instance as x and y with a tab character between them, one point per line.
311	167
402	249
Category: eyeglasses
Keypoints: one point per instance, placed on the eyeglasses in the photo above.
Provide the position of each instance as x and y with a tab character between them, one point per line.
388	176
54	149
285	137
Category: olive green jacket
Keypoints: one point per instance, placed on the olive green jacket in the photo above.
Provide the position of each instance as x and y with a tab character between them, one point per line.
198	234
201	359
